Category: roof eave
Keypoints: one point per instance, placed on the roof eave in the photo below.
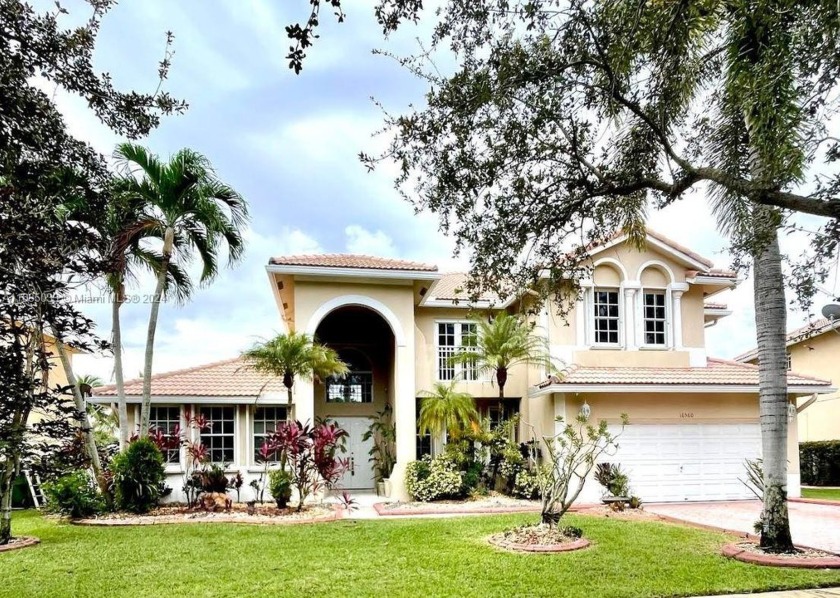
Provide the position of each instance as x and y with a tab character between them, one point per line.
391	274
674	388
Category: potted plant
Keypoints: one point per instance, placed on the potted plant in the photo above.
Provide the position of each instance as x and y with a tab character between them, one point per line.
382	454
280	486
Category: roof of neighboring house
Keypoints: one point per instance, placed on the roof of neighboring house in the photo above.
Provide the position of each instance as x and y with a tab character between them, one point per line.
712	305
798	335
229	378
716	372
347	260
453	286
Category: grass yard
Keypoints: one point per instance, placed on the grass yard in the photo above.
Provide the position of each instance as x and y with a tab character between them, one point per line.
822	493
428	557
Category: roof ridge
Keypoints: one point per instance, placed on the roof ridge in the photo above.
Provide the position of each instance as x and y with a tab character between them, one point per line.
165	375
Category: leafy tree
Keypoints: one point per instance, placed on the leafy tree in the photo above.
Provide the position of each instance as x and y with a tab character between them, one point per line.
444	409
294	355
195	214
584	115
41	165
501	343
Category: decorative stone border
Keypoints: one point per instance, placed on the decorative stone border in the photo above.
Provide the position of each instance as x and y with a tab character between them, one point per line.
578	544
464	509
20	542
177	519
734	551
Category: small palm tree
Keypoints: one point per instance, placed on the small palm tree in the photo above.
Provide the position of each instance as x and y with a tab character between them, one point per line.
444	409
193	212
294	355
502	343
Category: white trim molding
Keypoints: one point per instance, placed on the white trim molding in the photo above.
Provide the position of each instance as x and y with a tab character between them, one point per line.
670	389
358	300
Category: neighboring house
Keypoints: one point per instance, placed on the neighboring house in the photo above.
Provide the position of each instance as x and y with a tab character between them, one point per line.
814	349
634	343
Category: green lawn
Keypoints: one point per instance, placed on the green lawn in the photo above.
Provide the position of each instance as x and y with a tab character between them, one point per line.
440	557
821	493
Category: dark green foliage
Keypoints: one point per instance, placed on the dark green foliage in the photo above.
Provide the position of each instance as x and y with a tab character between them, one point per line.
613	479
280	486
213	479
73	495
138	473
819	463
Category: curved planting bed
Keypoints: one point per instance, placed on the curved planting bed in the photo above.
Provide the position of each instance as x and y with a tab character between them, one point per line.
804	558
18	543
540	538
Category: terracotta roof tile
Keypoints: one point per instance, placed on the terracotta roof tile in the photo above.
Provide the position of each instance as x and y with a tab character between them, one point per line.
453	286
229	378
717	371
681	248
346	260
797	335
711	305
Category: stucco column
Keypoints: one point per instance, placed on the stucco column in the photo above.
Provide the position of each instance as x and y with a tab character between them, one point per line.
630	319
676	297
304	401
404	418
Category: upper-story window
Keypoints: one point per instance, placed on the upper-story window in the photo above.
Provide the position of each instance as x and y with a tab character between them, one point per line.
454	338
357	385
789	361
655	318
606	314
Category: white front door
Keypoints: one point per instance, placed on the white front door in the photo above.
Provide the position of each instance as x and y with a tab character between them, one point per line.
360	473
687	462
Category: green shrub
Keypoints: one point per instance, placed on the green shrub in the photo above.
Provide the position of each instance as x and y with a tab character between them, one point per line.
433	479
527	484
280	487
819	463
213	479
138	476
74	495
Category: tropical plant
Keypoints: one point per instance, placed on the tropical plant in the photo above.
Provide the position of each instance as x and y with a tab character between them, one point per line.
194	213
294	355
213	478
138	474
446	410
280	487
613	479
384	433
501	343
73	495
433	479
236	483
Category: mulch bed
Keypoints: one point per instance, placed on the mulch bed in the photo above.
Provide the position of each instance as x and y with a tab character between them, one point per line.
488	505
803	558
626	515
20	542
264	515
537	538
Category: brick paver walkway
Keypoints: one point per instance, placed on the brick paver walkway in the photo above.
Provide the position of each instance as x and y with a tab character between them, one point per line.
812	525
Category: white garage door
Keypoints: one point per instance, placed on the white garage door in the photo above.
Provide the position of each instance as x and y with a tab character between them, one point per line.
673	462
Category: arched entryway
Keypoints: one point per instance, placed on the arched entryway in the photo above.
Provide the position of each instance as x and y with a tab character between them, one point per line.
365	341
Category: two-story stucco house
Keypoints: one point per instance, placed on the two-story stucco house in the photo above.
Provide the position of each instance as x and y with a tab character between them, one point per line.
814	349
634	343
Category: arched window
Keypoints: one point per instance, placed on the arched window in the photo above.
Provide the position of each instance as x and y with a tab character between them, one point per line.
357	385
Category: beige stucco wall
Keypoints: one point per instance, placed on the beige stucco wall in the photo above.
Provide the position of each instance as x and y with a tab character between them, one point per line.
819	356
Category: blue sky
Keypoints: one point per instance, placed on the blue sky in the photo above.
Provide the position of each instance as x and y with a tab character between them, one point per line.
289	144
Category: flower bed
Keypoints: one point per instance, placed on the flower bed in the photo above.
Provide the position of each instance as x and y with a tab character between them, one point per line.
18	543
263	515
803	558
490	504
540	538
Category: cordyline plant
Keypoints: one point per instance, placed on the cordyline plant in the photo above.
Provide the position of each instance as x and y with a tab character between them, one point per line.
310	453
571	456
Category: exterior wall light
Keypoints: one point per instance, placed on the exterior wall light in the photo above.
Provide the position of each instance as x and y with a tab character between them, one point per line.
585	410
791	411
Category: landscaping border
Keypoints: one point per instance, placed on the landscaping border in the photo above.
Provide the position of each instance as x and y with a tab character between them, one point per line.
337	515
734	551
382	509
578	544
20	542
817	501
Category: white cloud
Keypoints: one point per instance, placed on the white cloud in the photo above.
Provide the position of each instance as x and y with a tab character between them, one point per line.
362	241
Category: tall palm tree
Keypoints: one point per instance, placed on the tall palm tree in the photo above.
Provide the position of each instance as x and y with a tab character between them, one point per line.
194	213
444	409
294	355
502	343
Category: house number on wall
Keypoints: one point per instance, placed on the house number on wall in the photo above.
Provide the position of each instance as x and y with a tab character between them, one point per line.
686	414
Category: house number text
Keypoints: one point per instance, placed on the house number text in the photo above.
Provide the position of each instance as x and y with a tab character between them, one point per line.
686	414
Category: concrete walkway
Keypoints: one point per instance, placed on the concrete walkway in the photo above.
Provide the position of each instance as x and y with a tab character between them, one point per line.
817	526
823	593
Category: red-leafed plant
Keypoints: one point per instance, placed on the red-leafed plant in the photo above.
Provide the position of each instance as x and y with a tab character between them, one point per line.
311	455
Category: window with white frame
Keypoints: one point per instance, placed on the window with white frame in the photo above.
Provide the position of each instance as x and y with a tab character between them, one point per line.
266	420
789	361
454	338
168	421
355	387
606	314
655	318
220	436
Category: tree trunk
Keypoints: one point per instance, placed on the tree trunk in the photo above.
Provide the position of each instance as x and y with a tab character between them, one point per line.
7	479
168	241
87	428
501	380
771	324
116	339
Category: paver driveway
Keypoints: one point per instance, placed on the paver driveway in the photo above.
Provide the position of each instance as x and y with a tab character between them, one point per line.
810	524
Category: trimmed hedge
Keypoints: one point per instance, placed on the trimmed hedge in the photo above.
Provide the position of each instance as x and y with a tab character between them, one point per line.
819	463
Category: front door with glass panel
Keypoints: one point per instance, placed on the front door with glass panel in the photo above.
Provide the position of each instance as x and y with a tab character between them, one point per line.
360	474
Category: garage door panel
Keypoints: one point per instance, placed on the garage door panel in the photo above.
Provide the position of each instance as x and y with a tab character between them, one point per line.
679	462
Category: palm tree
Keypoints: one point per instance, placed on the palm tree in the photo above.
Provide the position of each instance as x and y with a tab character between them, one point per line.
444	409
502	343
194	213
294	355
